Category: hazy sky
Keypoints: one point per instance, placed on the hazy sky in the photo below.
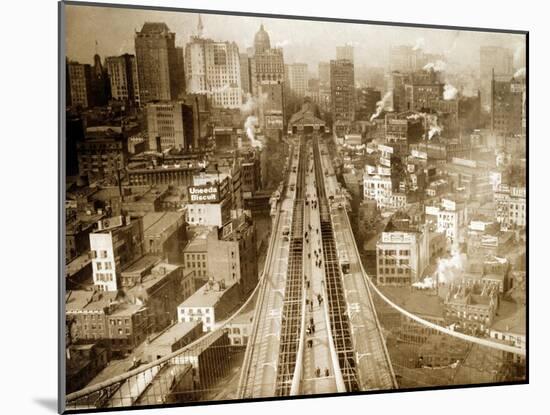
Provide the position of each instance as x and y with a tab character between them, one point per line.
302	41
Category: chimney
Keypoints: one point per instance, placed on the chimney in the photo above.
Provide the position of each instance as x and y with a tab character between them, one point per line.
157	141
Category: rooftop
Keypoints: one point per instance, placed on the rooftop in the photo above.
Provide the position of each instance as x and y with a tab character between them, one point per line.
156	223
77	264
142	265
415	301
125	309
198	239
510	318
206	296
83	300
174	333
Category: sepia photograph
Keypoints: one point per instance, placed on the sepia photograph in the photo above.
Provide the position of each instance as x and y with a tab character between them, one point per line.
263	207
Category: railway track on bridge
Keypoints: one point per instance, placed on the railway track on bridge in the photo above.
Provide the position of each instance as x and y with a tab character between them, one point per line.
336	302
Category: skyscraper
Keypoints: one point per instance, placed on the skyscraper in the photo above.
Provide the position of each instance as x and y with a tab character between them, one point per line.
297	78
261	41
165	123
267	64
342	88
345	52
122	71
80	84
213	68
497	60
157	63
507	105
246	80
324	73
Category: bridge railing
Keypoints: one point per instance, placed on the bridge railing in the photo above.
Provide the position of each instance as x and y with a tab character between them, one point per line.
427	352
127	389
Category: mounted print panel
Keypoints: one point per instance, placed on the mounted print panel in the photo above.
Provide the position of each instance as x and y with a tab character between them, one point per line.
265	207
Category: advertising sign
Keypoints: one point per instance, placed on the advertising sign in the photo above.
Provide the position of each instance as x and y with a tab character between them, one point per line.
385	149
204	194
419	154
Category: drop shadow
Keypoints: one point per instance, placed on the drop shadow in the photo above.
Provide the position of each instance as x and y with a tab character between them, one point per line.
48	403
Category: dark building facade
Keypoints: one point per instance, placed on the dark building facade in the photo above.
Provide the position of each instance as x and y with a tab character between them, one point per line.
507	106
157	62
366	103
342	87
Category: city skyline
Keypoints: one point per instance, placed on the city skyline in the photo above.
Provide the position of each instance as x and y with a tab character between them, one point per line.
114	29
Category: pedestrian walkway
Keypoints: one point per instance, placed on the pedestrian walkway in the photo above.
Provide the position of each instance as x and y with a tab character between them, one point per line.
318	376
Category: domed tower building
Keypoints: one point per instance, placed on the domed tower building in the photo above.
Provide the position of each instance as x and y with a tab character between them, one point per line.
267	73
261	41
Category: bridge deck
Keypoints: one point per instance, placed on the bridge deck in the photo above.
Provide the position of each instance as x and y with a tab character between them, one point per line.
372	361
261	379
318	355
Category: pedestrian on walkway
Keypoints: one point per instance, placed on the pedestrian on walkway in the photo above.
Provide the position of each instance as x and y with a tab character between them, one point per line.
307	284
308	330
313	329
317	372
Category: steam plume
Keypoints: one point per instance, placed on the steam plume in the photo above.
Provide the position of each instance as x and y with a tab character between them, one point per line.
520	73
383	104
437	66
449	268
434	127
449	92
419	43
249	124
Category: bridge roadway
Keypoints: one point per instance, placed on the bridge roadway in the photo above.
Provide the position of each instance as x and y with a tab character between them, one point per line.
373	364
260	363
317	355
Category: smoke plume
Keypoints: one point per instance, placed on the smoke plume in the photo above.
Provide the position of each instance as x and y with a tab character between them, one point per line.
252	103
437	66
249	124
434	127
520	73
449	92
450	268
383	104
426	283
419	43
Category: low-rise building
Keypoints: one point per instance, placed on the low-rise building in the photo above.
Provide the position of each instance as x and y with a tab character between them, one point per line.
161	290
165	234
472	306
95	315
239	329
127	327
210	304
451	219
117	243
511	206
510	325
102	155
171	339
402	255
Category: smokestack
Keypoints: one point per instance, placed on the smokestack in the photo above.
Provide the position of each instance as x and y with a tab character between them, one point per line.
157	141
492	99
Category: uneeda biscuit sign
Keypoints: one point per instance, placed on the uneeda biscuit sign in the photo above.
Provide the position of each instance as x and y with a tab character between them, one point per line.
204	194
